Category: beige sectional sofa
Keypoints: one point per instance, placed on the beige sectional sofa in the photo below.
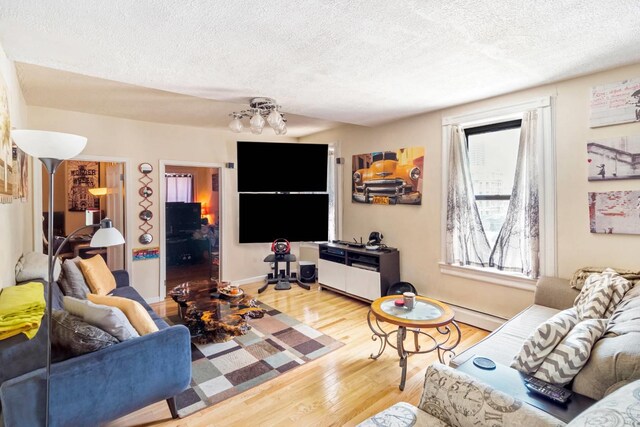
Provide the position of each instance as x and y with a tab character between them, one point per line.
614	360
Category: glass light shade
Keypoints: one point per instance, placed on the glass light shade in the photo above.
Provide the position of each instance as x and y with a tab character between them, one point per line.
236	125
44	144
257	123
274	119
106	237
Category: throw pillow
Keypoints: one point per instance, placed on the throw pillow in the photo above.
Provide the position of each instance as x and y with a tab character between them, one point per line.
571	354
461	400
109	319
543	340
72	281
135	312
77	337
98	276
601	294
620	408
33	266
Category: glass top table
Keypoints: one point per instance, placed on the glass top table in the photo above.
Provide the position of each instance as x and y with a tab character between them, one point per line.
427	313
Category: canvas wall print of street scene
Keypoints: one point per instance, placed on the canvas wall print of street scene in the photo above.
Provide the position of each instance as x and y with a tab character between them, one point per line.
388	177
614	158
615	212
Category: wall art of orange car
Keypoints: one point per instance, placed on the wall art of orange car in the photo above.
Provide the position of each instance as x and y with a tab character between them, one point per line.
387	181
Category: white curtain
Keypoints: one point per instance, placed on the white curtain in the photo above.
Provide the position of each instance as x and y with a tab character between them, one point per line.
179	187
466	242
114	201
518	244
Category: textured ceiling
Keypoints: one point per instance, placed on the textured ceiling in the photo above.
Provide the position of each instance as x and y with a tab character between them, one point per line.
47	87
358	61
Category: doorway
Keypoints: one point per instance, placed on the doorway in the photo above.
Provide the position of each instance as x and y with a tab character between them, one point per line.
191	223
85	192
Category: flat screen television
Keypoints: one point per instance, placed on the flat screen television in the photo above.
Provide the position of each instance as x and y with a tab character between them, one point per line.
182	217
295	217
281	167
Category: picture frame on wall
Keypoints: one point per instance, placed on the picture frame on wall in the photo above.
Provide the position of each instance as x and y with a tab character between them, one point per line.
390	177
614	212
614	158
615	103
81	177
6	152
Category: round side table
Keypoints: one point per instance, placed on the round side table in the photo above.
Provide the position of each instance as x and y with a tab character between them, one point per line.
444	334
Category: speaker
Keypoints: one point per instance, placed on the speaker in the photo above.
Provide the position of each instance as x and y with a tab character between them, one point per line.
306	271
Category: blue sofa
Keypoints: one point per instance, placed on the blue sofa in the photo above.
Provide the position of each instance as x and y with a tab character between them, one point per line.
96	387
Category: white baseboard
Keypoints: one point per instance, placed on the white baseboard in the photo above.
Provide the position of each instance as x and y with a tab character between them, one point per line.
249	280
476	318
152	300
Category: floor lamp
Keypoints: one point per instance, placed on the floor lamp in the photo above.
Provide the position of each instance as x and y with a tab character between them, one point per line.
52	148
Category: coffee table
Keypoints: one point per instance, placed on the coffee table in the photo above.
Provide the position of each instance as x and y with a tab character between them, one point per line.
211	316
428	313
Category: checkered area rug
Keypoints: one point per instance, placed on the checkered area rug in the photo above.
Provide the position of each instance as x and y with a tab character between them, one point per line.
276	343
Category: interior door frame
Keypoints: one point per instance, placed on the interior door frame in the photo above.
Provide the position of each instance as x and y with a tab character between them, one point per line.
129	189
162	291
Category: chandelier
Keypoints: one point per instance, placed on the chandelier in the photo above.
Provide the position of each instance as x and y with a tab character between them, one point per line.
261	111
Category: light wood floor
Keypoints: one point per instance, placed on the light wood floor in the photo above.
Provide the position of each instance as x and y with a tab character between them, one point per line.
343	387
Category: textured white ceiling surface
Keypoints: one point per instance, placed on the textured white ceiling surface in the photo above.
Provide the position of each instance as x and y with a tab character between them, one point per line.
358	61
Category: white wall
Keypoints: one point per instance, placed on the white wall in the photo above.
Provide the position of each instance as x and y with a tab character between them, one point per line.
151	142
15	218
415	230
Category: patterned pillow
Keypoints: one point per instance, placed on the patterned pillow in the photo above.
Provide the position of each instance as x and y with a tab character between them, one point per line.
76	337
543	340
601	294
460	400
621	408
402	414
572	353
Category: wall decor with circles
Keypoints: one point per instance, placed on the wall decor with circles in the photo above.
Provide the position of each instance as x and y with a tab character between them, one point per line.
145	214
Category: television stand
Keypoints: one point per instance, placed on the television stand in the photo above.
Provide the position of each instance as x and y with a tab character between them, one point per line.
282	281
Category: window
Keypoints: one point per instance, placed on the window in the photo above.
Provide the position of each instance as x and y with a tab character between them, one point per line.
179	187
498	205
493	151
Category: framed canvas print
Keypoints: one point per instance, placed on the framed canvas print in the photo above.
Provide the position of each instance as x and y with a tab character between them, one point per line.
615	103
81	177
614	158
6	155
614	212
388	177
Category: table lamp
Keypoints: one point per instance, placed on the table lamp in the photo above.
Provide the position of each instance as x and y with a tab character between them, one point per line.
52	148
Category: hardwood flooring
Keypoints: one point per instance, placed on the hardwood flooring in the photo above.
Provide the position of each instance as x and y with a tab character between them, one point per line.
341	388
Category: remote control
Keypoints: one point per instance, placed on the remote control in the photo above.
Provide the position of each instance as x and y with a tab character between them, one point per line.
550	391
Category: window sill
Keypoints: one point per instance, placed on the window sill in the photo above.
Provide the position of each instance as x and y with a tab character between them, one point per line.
490	275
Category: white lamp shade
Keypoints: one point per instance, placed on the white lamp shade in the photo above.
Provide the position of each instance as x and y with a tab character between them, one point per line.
44	144
106	237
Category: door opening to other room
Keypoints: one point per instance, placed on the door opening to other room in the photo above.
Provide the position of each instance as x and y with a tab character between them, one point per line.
192	224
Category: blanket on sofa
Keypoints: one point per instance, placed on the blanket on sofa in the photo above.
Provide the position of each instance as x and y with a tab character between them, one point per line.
21	310
580	276
557	350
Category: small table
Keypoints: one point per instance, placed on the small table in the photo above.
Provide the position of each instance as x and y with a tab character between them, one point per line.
212	316
427	313
511	382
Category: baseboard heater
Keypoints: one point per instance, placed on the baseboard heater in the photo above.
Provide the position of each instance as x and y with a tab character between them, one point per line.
478	319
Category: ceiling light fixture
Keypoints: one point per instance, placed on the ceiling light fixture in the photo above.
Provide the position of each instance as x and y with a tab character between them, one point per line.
262	111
